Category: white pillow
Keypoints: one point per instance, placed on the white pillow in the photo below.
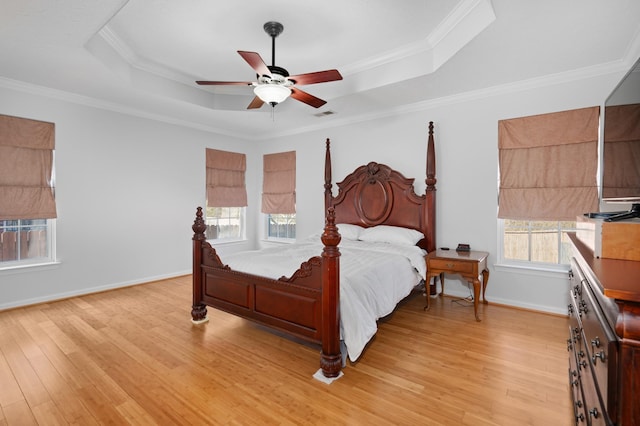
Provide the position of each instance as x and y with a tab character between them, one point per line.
391	235
349	231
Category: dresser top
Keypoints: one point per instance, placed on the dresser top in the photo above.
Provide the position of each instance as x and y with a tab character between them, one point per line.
618	279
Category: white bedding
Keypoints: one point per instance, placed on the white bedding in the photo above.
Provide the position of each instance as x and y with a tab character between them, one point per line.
374	277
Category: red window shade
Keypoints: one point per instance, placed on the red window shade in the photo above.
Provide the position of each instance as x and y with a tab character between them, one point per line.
225	179
26	169
279	183
548	165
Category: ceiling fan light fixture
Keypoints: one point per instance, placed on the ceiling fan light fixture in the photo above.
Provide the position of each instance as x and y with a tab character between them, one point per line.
272	94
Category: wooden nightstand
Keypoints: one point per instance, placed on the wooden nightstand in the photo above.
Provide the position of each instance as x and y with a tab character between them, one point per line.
469	264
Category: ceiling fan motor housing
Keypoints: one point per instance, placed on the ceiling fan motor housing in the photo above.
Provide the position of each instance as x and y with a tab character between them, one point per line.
274	29
278	70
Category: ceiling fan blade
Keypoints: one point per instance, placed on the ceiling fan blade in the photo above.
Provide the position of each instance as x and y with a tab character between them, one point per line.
256	62
224	83
307	98
255	103
316	77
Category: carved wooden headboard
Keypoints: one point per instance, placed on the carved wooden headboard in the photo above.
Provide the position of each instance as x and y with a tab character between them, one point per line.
375	194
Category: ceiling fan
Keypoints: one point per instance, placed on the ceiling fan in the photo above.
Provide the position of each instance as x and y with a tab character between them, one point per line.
274	83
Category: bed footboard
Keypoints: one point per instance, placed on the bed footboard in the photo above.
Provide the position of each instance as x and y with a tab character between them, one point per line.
305	305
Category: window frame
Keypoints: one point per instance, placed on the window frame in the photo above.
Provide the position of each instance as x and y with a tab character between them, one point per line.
269	237
531	264
37	261
243	228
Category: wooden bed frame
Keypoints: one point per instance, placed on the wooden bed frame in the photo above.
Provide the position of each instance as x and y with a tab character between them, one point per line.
306	304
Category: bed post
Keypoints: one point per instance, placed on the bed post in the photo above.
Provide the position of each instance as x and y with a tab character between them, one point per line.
198	309
327	178
430	205
330	359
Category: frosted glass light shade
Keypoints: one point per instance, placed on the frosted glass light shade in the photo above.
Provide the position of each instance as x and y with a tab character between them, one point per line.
272	93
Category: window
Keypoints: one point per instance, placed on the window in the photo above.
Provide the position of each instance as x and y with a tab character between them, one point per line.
26	242
547	177
536	242
225	223
27	192
279	195
281	226
226	195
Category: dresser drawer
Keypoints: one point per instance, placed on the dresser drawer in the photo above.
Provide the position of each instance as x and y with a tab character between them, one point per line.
451	265
593	404
601	345
577	395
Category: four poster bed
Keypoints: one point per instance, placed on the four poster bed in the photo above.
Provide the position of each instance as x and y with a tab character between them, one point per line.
332	295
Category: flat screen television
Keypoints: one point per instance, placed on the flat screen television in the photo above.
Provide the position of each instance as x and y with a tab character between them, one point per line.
620	146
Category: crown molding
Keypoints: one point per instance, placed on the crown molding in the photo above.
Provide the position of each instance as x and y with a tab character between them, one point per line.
109	106
518	86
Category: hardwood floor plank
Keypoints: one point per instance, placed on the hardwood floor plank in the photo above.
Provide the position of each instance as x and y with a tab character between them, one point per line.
132	356
10	391
48	413
30	385
19	413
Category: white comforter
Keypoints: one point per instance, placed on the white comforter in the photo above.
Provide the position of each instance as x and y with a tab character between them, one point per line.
374	277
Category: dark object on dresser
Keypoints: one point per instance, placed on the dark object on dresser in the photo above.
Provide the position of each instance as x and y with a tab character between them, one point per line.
604	338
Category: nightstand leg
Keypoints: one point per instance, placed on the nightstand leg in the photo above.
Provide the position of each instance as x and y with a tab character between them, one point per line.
485	280
427	292
441	284
476	296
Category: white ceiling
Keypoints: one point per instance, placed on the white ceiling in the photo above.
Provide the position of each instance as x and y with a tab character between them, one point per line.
143	56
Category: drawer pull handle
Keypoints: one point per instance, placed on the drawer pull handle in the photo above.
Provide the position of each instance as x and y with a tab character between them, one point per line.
594	412
600	355
570	308
580	417
450	265
595	342
583	307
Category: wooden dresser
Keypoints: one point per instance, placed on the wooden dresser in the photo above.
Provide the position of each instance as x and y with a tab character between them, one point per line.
604	338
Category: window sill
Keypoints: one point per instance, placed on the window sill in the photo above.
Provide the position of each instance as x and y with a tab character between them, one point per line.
215	242
532	269
17	269
279	240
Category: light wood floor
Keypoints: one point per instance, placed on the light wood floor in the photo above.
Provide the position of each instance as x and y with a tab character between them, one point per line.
132	356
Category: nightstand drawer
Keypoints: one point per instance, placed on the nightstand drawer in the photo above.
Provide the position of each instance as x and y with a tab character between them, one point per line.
451	265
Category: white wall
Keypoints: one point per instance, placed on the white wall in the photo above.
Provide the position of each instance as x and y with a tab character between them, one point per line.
126	193
127	187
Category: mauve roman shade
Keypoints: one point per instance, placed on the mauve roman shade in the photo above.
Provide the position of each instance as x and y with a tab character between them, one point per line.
621	153
548	165
279	183
26	169
225	179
